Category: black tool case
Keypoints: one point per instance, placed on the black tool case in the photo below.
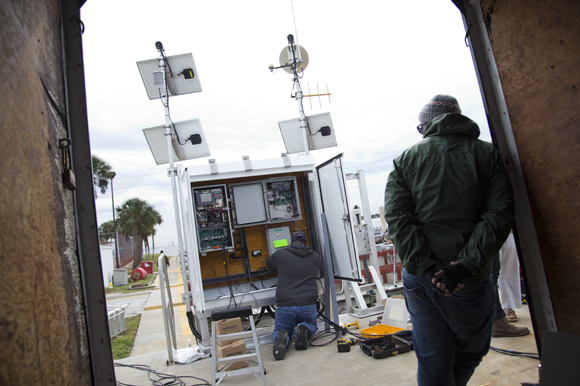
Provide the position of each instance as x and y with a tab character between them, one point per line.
386	346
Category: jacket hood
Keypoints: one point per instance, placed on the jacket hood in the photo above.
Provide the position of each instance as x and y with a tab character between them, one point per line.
299	249
448	124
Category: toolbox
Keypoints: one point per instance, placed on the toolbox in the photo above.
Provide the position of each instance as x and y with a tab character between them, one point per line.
386	346
394	319
378	331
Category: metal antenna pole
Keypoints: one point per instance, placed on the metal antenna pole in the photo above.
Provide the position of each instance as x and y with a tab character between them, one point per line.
302	119
298	94
172	170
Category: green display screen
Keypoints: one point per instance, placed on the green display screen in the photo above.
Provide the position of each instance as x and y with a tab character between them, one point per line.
280	243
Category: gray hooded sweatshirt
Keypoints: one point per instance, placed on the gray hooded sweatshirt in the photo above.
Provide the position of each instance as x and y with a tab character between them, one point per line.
298	266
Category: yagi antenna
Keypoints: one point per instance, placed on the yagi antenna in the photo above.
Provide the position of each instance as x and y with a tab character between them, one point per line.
318	94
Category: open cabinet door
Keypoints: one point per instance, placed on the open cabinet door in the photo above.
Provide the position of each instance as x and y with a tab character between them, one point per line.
190	240
335	205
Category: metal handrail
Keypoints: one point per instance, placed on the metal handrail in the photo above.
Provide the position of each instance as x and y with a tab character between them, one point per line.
168	313
116	320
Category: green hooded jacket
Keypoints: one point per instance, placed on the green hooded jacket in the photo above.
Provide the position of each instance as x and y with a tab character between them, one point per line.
449	198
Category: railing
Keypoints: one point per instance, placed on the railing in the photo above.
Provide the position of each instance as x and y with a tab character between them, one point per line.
125	245
167	306
393	268
117	320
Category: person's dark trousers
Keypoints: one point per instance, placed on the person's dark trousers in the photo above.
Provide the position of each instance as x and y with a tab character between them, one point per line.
287	318
451	335
499	312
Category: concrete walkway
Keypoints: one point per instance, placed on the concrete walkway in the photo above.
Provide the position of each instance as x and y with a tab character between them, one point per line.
322	365
150	336
136	302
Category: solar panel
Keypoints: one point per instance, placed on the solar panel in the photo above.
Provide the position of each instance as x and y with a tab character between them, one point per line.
185	142
178	79
318	125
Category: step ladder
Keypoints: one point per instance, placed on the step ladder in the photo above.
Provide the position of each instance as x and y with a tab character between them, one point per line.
220	373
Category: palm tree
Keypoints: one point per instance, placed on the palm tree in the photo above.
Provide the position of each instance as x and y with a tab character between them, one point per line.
151	232
102	173
106	231
157	219
153	239
137	218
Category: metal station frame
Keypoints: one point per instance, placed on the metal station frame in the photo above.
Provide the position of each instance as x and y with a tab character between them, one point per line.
203	302
353	289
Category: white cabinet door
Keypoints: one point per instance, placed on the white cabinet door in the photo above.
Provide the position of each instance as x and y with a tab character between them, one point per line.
335	205
190	238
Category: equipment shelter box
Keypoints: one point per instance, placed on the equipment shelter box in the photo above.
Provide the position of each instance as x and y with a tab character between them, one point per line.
233	236
237	214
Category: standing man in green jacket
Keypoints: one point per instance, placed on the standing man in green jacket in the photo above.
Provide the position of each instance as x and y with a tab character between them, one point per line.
449	206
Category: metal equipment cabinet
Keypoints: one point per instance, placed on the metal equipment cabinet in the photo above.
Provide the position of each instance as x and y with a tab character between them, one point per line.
265	202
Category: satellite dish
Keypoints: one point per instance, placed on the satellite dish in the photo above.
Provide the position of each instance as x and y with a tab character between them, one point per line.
286	59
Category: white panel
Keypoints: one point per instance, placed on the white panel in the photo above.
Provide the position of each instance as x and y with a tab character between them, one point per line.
336	207
292	133
292	136
158	142
107	264
249	203
261	167
179	85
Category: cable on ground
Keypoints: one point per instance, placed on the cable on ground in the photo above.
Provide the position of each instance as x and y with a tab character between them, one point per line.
162	378
516	353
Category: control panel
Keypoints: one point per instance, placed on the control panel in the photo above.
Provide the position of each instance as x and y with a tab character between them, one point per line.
278	238
212	218
268	201
282	200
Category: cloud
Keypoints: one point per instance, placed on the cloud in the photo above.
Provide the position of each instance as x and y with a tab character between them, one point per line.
382	61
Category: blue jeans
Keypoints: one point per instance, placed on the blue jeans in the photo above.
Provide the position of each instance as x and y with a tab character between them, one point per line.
451	335
288	318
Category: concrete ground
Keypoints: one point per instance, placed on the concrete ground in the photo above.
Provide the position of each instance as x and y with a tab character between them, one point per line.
316	366
135	303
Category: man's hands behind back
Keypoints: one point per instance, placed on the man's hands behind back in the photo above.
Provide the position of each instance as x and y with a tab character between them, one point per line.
447	277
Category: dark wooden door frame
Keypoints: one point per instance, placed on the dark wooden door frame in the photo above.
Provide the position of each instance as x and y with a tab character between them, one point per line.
95	308
537	289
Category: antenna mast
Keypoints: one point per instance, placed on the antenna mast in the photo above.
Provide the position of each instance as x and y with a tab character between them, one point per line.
298	94
295	30
295	63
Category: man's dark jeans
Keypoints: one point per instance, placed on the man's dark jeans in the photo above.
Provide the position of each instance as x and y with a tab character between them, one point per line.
451	335
288	318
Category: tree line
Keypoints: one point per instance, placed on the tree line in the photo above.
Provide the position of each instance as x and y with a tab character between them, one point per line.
134	217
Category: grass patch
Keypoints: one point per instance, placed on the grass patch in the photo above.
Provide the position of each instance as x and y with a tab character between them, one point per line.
124	289
123	343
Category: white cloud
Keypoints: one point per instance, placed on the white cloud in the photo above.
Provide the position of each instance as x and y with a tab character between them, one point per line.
382	61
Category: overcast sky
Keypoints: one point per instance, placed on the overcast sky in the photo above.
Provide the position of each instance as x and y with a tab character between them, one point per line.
382	60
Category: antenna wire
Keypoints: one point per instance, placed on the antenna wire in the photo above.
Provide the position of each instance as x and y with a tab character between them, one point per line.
295	31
